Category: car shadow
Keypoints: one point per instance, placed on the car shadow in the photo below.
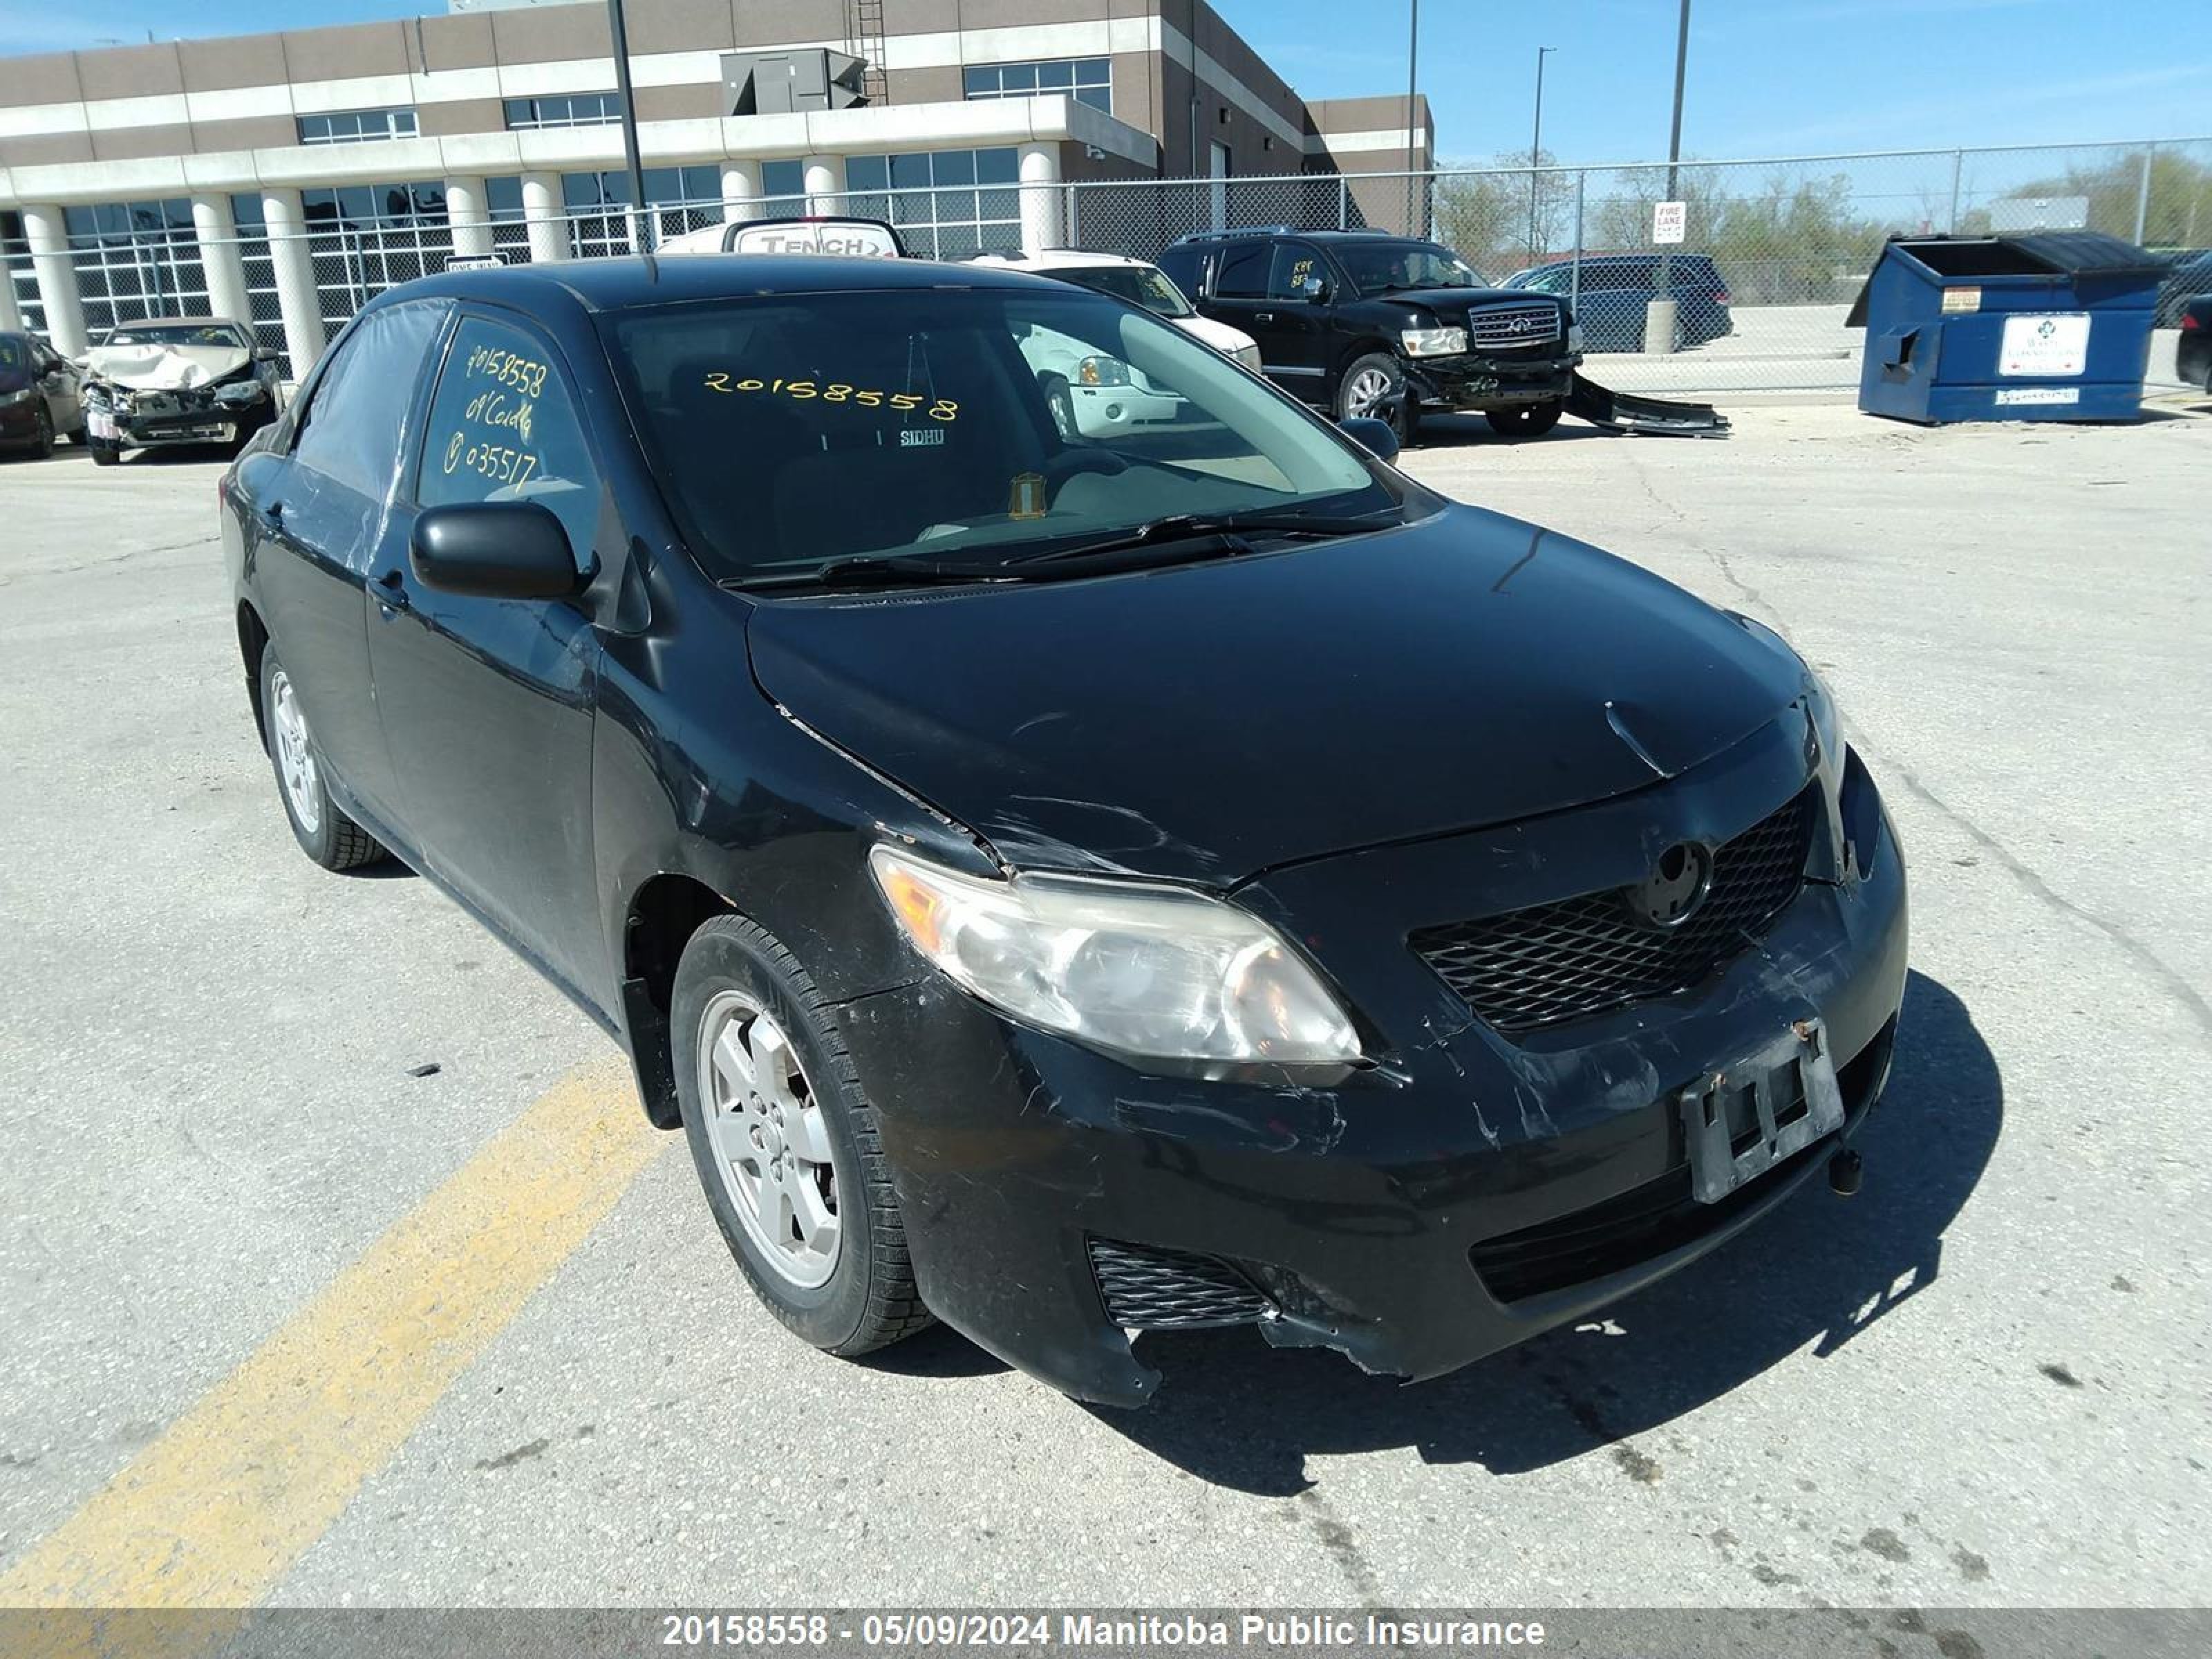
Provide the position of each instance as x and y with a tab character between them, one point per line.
1458	431
1818	1272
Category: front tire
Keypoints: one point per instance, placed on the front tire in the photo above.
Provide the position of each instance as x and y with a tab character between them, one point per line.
1525	419
104	453
324	834
787	1143
42	435
1367	386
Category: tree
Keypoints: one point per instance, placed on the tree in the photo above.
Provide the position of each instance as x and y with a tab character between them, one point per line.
2177	210
1486	216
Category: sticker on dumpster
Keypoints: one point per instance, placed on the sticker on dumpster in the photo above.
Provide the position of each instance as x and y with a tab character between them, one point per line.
1962	299
2039	394
1669	220
2055	343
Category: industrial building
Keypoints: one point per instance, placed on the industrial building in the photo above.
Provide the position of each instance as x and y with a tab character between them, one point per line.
283	178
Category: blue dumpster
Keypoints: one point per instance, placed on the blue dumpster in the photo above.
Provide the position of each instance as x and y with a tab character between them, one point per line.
2045	325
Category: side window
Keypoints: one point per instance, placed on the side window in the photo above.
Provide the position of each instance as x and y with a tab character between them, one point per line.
1294	264
354	426
503	428
1243	271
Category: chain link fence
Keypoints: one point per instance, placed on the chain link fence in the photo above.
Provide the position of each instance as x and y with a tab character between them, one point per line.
1772	251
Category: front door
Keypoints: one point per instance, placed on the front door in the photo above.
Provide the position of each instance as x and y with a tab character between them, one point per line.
321	519
487	704
1252	290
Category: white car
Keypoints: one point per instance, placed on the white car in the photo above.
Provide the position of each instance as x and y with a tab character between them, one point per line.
1093	395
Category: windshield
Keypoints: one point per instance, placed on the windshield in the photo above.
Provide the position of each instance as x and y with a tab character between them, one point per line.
1140	285
176	334
1389	267
13	355
965	426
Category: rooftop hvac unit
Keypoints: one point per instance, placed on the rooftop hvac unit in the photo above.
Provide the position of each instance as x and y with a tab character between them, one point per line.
781	83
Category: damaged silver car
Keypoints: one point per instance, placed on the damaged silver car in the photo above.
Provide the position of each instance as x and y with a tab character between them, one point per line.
177	380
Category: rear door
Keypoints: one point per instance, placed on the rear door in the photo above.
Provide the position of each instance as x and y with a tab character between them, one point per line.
487	704
321	520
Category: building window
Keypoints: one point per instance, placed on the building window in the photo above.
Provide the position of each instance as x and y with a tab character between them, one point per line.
135	259
351	126
947	203
783	189
1087	79
564	109
597	202
365	239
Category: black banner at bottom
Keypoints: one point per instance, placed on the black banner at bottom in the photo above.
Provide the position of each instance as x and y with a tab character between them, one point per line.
1108	1633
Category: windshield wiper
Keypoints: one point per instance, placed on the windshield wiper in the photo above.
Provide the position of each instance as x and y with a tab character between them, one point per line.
1226	530
866	570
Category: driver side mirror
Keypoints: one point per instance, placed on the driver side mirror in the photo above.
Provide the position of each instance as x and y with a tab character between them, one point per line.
494	550
1314	290
265	354
1379	438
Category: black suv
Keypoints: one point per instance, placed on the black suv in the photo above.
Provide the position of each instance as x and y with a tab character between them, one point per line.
1349	320
1613	289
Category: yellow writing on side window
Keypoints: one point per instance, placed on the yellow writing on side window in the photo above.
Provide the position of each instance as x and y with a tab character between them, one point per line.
835	392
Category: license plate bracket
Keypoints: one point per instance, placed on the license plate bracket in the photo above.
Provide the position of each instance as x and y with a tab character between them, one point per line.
1740	1121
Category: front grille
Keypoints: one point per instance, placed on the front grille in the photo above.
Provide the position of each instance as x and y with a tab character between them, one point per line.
1563	961
1650	1220
1156	1289
1507	326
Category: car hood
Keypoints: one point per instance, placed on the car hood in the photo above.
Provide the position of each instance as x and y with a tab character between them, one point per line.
1206	722
165	368
1452	304
1219	335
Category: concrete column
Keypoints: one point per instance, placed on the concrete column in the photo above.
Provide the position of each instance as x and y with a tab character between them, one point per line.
548	225
11	314
216	230
44	229
469	218
1042	198
741	189
825	183
296	299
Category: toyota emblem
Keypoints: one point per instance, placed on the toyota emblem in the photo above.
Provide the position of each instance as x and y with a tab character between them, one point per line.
1675	891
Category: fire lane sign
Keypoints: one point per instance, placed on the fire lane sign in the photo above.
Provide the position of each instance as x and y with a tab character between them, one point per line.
1669	220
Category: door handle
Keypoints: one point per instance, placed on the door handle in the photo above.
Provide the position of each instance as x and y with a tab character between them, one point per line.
1263	316
389	594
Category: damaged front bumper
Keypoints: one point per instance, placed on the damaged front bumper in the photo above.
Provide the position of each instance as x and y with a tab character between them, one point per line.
1465	1191
1480	381
149	420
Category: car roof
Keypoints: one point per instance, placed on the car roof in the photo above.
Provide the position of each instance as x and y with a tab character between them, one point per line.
619	284
177	322
1059	259
1328	235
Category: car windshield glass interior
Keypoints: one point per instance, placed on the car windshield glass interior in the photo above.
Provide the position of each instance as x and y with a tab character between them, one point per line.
965	426
1139	285
12	354
1387	267
176	334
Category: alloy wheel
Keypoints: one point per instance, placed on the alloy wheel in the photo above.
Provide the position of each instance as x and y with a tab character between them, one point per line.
770	1142
1367	389
295	756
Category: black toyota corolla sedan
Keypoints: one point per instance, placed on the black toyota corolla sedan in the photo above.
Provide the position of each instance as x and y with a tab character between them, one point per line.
1067	887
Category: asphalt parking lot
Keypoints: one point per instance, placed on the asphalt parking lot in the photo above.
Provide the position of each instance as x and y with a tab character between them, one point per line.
288	1323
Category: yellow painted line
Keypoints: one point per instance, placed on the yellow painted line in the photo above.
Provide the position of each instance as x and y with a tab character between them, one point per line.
213	1512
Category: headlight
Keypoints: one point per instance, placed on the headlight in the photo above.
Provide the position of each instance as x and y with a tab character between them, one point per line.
1434	342
241	392
1102	371
1149	972
1250	357
1574	337
9	399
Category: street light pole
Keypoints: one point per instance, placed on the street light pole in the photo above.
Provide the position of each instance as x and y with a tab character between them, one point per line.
638	219
1659	316
1536	149
1415	220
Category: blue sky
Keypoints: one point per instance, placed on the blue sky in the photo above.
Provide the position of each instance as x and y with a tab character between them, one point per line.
1767	76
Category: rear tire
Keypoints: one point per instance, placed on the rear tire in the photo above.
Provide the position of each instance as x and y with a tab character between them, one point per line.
1526	420
324	834
766	1087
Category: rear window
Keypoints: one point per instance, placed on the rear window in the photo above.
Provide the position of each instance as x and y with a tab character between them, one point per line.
13	355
